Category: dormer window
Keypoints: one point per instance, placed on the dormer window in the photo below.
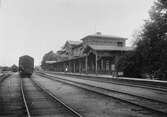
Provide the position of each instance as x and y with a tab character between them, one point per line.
119	43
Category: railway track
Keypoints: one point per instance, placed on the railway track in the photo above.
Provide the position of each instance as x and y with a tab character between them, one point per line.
146	103
41	102
10	97
3	77
159	90
131	84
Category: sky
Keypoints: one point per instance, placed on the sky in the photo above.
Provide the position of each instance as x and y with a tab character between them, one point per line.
35	27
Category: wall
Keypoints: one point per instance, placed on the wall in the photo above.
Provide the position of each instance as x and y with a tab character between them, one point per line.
103	41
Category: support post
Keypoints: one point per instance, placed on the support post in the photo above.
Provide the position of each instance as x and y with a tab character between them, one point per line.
64	67
69	66
86	65
102	64
74	67
79	62
96	63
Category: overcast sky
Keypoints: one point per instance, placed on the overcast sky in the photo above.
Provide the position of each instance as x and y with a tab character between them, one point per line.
35	27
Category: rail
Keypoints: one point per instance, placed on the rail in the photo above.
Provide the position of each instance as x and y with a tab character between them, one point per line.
24	99
57	99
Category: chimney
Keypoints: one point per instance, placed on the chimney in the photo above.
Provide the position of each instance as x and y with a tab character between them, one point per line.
98	33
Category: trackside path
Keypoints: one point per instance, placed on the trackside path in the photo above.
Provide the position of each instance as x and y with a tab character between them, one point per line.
143	83
148	93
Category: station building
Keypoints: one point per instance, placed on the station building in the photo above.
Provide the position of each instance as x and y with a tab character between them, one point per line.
95	53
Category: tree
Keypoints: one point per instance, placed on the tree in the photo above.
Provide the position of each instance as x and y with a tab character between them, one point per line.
50	56
14	68
128	63
150	55
152	45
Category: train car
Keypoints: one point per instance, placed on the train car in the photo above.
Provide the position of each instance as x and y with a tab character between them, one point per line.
26	66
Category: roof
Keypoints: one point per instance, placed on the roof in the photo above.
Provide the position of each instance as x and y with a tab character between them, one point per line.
60	51
110	48
72	58
104	36
50	62
74	42
76	46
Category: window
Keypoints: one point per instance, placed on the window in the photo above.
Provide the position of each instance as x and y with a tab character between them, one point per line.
119	43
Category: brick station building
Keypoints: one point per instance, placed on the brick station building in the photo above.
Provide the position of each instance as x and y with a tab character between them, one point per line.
95	53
